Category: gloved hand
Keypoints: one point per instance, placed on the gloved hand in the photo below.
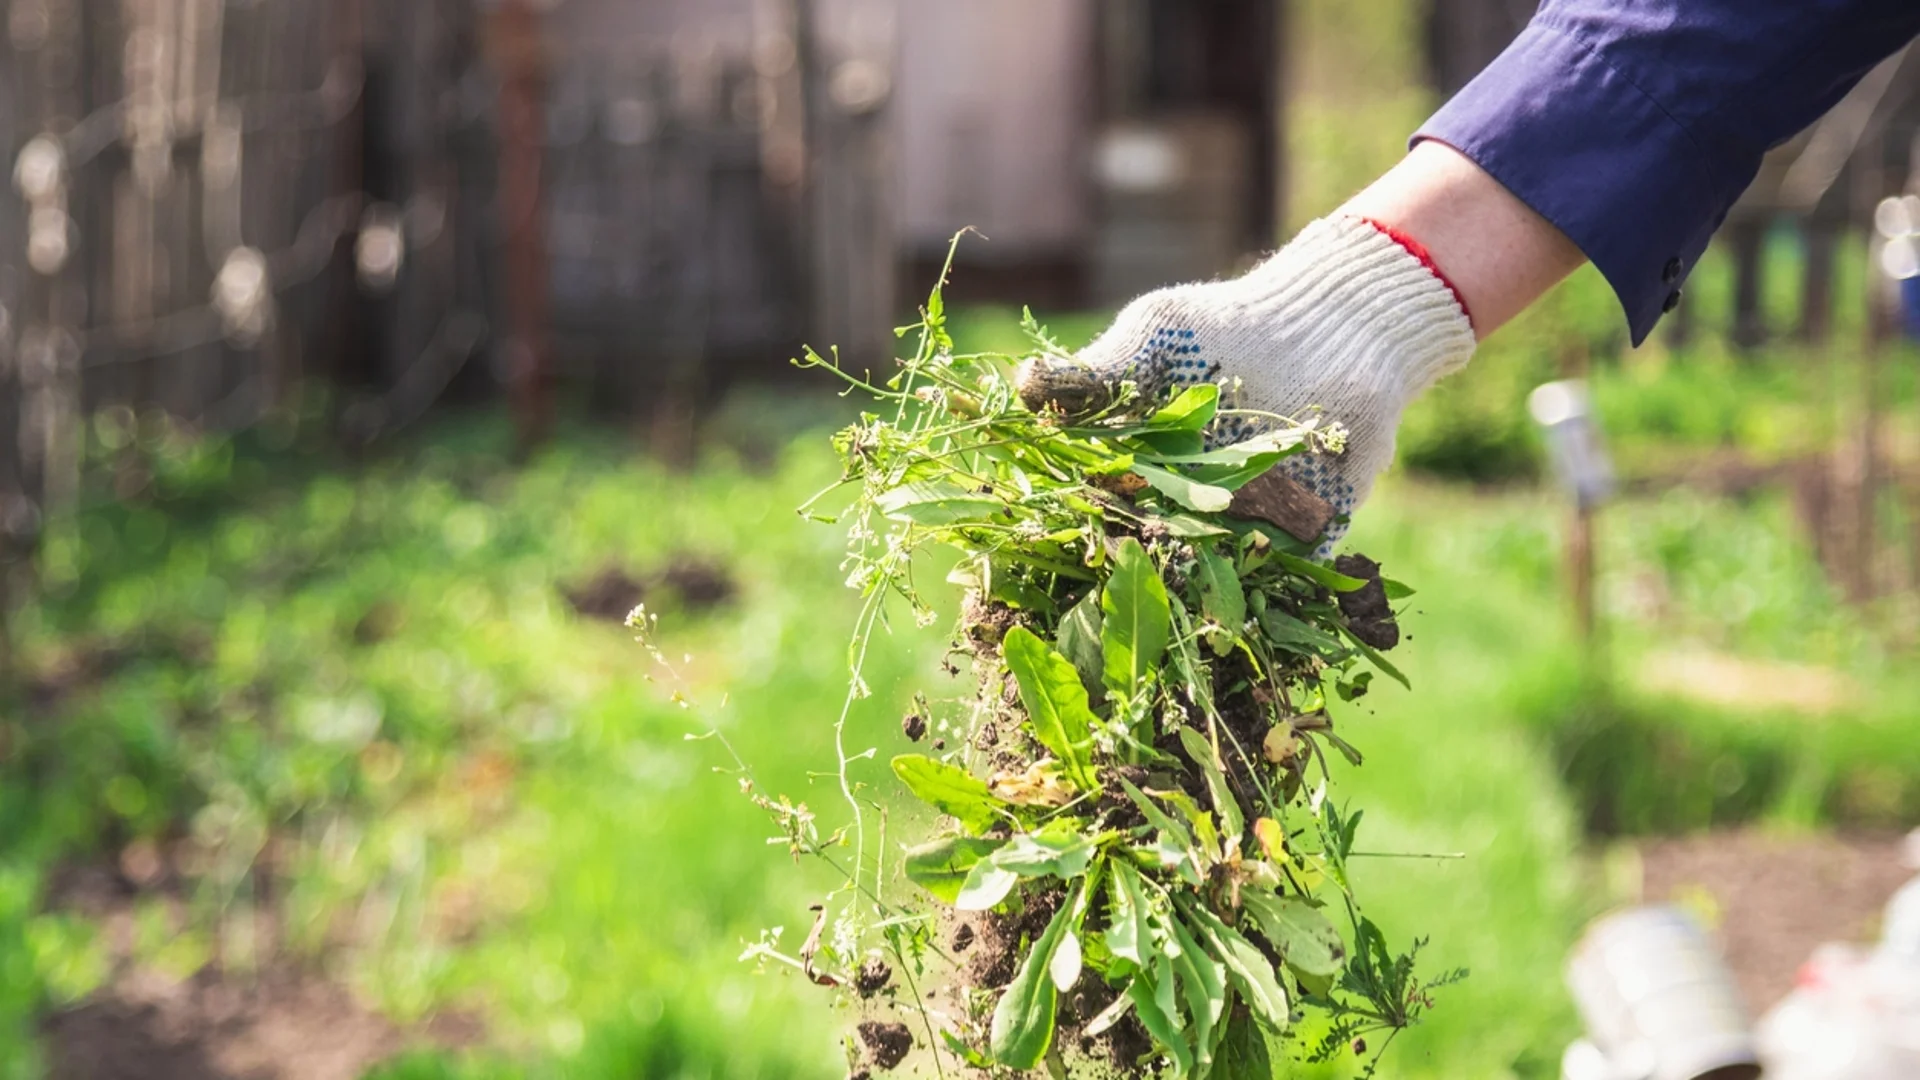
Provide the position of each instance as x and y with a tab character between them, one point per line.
1346	317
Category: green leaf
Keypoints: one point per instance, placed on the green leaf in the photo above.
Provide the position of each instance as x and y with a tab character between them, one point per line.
1190	493
1060	853
985	886
1302	933
1234	477
1056	702
1188	527
1155	816
1266	447
1133	635
1203	981
1079	641
1128	935
1145	991
1285	631
948	789
1221	599
1318	573
1396	590
1224	804
1157	441
936	502
1183	653
941	866
1243	1054
1023	1021
1373	657
1192	410
1247	966
959	1048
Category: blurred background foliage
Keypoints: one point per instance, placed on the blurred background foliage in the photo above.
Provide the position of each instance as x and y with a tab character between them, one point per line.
373	714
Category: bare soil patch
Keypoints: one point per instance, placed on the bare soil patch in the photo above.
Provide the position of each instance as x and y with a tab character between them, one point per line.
281	1021
1778	898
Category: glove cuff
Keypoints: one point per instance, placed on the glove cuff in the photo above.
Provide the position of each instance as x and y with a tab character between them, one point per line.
1348	287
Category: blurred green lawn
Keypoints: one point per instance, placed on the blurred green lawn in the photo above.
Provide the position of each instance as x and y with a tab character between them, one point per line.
366	676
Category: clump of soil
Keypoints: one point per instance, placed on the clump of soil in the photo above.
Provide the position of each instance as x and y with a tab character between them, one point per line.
913	726
887	1041
873	977
1368	614
609	595
985	622
996	940
697	583
692	582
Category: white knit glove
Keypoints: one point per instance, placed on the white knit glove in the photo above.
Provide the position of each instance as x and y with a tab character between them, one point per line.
1344	318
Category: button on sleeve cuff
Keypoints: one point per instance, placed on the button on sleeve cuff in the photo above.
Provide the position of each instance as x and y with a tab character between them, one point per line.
1578	141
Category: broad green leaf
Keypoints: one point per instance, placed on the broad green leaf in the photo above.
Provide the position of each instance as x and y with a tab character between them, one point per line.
949	789
1056	702
985	886
1167	441
1234	477
1192	410
1319	573
1079	641
1243	1054
1270	445
941	866
1304	936
1224	804
1201	821
1221	599
1287	632
1155	816
1188	527
936	503
1166	1030
1060	854
1190	493
1133	634
1396	590
1023	1021
1247	967
1203	982
1128	936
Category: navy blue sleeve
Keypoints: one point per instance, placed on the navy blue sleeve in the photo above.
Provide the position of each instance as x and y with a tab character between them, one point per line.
1633	125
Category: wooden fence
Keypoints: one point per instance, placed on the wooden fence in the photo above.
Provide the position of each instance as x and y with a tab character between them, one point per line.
216	204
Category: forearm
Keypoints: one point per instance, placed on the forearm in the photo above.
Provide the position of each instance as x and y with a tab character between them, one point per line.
1496	252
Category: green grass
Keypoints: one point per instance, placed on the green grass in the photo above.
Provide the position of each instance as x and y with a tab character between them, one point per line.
487	798
481	802
494	809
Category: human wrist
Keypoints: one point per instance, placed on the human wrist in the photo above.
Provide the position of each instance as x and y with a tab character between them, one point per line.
1496	250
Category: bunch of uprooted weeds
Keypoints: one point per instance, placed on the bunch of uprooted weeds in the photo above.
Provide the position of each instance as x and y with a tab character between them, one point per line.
1139	866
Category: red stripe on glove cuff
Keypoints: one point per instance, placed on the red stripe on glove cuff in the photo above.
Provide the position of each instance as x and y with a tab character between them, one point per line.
1419	251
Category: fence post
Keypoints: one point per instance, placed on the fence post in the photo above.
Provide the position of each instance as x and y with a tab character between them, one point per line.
527	302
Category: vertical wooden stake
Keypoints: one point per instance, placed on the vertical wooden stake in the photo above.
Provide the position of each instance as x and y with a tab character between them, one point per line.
522	89
1580	567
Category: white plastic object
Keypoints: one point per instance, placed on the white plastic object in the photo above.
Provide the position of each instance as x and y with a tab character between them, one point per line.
1658	1001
